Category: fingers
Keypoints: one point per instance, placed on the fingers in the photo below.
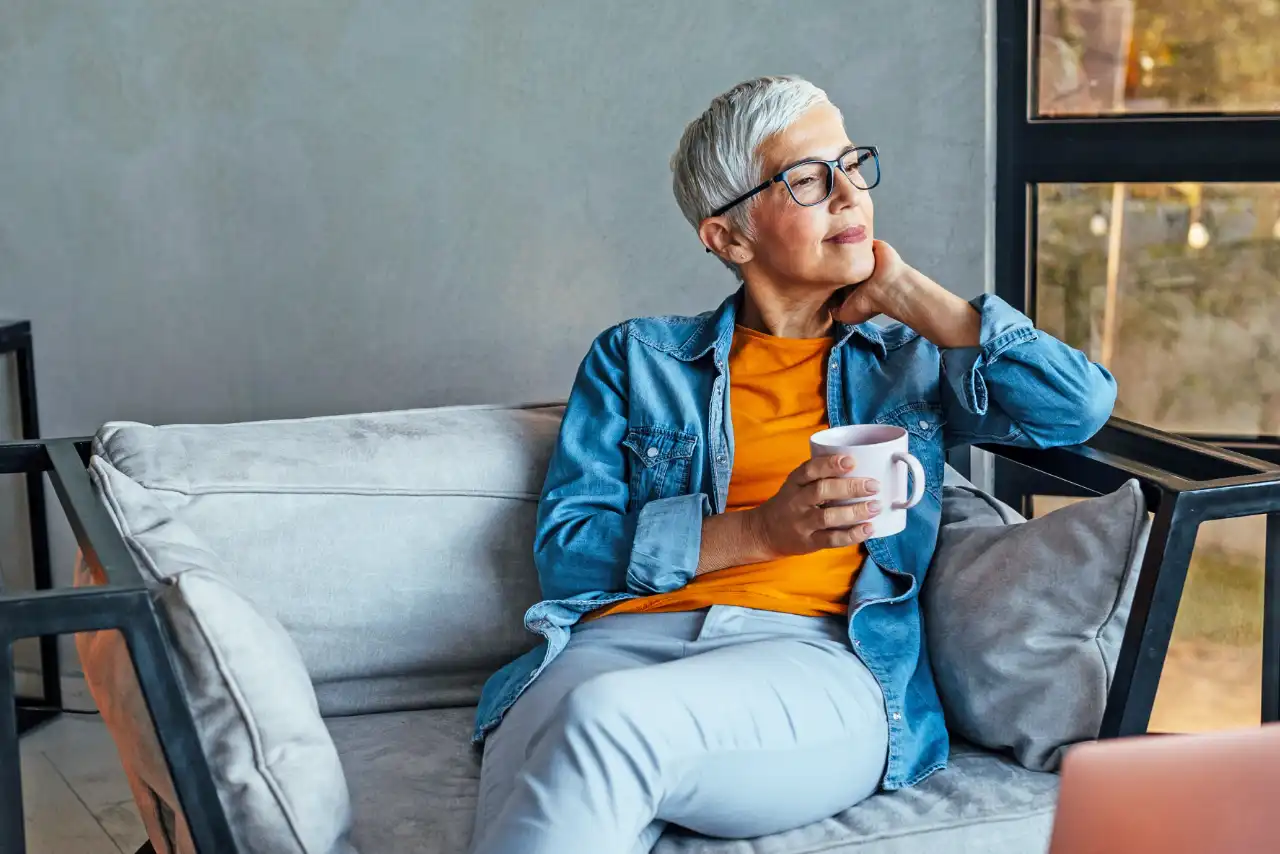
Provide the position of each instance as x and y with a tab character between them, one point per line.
852	311
848	515
821	467
836	539
841	489
882	249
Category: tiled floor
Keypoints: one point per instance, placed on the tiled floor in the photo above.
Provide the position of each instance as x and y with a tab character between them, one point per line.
75	797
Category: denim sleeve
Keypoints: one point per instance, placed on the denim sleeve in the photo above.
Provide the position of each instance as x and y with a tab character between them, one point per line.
587	544
668	543
1022	386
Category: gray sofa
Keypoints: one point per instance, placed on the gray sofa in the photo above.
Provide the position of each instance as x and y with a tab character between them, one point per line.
335	591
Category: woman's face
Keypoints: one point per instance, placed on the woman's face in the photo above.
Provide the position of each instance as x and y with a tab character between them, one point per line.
826	245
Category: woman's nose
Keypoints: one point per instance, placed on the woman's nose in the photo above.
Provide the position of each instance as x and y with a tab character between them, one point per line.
844	193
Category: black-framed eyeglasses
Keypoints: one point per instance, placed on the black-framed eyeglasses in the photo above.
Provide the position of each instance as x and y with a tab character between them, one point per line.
810	182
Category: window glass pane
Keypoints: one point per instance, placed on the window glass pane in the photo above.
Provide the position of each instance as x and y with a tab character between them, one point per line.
1212	677
1176	289
1099	57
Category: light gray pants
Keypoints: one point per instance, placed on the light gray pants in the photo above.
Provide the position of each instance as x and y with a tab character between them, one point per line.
729	721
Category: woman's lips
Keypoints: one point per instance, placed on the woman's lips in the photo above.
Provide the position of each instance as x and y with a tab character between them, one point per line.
856	234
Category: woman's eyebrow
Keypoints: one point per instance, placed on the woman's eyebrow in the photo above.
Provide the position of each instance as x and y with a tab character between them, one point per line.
843	149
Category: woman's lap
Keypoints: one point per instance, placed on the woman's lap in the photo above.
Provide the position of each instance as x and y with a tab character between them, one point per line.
731	722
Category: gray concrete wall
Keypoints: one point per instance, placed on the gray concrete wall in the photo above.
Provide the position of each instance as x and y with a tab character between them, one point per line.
263	209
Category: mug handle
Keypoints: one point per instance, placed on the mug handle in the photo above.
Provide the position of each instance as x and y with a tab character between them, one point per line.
917	481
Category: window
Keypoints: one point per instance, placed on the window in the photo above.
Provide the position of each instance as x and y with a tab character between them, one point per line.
1176	289
1138	218
1106	57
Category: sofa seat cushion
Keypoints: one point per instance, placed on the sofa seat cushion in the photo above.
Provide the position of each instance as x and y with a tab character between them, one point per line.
414	777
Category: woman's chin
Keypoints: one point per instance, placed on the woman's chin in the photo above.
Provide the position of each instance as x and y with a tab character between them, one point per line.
858	270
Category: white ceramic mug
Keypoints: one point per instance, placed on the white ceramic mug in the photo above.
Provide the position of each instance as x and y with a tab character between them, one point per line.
880	452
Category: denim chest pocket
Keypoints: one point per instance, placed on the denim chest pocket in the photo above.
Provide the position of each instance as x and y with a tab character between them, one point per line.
660	461
923	423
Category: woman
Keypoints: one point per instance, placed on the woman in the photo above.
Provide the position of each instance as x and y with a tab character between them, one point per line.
724	650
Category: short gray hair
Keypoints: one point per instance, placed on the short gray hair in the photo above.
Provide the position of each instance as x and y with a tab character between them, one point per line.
717	158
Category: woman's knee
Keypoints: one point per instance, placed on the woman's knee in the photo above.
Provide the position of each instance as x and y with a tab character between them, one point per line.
612	716
602	727
607	701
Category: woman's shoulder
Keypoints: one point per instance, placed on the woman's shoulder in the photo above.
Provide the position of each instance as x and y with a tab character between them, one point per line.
667	324
667	332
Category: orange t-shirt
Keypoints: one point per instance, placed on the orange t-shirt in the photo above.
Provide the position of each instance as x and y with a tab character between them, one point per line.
777	394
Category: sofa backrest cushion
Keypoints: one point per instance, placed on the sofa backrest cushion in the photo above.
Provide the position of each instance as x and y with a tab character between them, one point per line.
394	548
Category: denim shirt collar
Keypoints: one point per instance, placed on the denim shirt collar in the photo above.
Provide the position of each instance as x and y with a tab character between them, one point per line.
715	332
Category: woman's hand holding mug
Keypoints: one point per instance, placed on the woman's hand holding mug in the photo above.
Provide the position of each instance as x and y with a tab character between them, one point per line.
802	518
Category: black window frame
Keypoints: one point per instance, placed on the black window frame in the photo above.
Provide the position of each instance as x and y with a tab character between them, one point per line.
1032	150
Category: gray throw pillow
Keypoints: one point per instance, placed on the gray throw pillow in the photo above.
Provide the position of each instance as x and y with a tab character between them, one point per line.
1024	618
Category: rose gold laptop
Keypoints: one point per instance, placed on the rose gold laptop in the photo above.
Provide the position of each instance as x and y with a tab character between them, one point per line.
1216	793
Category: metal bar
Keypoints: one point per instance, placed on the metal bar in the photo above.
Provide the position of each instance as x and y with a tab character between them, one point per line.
1232	497
131	612
1124	449
1181	455
1149	148
1090	469
1258	479
1151	619
1271	623
960	460
1266	448
12	333
12	832
1031	244
67	611
37	516
96	534
176	732
22	457
125	603
1012	208
1011	485
1017	483
31	716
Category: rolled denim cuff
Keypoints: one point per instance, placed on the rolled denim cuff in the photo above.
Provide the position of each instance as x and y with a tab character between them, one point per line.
1002	327
667	544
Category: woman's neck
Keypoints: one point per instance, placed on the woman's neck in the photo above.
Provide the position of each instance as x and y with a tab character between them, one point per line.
791	313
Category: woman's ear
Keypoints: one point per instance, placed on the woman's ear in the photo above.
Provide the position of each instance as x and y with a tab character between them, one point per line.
723	240
714	233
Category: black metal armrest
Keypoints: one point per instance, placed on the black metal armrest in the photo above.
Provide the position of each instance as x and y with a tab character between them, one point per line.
1186	483
123	603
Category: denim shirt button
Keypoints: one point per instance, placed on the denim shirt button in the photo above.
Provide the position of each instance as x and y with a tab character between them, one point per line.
652	452
897	716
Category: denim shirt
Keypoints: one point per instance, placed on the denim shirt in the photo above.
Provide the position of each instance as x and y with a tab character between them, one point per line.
646	449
